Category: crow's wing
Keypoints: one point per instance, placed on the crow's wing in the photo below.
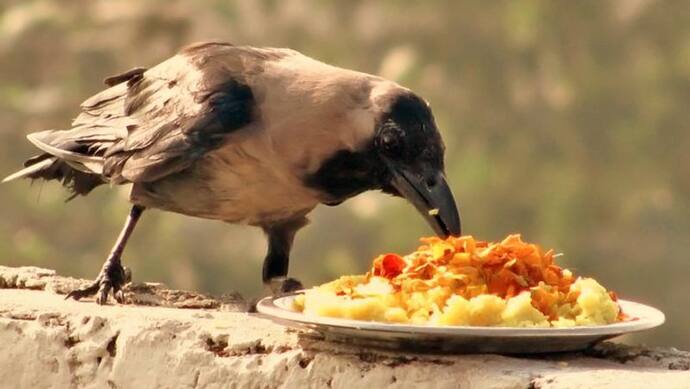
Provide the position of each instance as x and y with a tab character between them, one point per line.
156	122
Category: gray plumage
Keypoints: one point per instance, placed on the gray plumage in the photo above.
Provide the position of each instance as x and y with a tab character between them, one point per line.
258	136
218	107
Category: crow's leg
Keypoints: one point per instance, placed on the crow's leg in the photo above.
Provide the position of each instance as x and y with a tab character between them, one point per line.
112	276
280	238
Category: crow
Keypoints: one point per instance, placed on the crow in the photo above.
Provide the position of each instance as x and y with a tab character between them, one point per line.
247	135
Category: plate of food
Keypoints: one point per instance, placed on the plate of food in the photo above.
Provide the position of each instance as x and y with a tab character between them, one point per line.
465	295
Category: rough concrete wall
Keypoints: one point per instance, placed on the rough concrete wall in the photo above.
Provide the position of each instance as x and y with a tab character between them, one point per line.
174	339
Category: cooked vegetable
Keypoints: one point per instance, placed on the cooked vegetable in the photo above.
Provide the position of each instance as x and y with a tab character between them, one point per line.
463	281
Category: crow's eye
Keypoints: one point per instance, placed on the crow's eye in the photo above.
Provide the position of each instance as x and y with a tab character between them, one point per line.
390	139
390	143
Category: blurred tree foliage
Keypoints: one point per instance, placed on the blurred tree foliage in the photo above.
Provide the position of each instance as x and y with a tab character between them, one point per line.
566	121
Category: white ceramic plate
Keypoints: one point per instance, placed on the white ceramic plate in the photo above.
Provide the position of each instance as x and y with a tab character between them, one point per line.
505	340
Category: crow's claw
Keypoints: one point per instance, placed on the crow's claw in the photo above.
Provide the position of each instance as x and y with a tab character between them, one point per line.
283	285
84	292
111	279
279	286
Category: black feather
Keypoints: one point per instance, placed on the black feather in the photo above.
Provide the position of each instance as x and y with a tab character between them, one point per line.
348	173
77	182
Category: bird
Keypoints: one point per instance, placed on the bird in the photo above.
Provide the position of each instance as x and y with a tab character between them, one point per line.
247	135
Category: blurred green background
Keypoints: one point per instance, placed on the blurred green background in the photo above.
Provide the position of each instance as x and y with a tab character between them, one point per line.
565	121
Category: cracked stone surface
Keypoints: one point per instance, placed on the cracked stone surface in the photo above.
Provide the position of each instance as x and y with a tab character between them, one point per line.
173	339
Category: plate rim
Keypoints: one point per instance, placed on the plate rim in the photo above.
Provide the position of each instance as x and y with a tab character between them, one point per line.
652	318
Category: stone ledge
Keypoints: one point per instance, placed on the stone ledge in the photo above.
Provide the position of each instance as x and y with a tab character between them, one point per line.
174	339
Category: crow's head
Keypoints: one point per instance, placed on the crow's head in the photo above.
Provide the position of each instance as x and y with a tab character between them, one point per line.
403	157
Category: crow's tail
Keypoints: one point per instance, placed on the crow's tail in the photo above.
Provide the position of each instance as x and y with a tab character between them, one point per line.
48	166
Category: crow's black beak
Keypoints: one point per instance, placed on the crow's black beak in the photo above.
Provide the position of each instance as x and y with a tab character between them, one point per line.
430	194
